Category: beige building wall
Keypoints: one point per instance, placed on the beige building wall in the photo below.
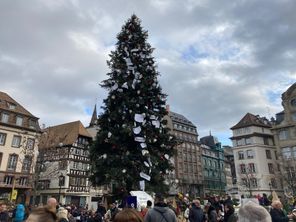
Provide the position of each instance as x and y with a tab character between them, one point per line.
254	146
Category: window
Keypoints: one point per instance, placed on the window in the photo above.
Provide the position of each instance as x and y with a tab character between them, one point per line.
270	168
245	182
23	181
43	184
283	135
273	183
294	116
268	154
75	165
12	162
252	168
275	154
2	139
63	164
241	155
5	118
250	154
19	121
30	143
293	150
248	141
1	155
61	180
32	124
27	162
265	141
243	168
253	182
16	141
286	152
11	106
8	179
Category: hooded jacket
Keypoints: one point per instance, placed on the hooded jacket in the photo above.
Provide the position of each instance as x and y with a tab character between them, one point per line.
19	213
160	213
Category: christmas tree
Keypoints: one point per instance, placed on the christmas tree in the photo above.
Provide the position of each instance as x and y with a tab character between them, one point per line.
133	143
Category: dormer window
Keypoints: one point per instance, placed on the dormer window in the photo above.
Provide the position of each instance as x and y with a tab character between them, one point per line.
32	124
19	121
293	102
11	106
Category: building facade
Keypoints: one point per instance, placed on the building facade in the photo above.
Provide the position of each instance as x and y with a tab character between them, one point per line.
284	130
63	164
213	166
19	133
187	178
255	156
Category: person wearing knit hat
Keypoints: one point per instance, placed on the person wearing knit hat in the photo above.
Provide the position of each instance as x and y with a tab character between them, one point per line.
252	212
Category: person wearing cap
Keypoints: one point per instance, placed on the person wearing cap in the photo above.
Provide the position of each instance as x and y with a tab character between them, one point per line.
160	212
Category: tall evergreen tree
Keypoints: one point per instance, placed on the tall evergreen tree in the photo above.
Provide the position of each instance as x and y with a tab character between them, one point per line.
133	143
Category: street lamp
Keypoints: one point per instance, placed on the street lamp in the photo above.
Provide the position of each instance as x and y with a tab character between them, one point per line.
270	188
61	183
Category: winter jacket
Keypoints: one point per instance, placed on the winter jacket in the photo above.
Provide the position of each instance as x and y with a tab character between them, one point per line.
19	213
3	216
196	214
160	213
278	215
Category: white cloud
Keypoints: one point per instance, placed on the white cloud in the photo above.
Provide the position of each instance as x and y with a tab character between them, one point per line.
217	59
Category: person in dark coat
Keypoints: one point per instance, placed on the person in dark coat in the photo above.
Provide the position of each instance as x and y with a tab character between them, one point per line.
101	209
277	214
160	212
3	213
196	213
229	215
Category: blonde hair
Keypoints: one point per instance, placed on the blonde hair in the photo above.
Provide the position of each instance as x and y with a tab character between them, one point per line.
128	215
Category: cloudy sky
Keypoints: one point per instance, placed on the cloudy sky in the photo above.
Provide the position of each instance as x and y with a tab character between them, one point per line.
218	59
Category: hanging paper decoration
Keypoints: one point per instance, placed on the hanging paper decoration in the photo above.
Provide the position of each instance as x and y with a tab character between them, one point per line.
140	139
137	130
145	176
143	145
139	118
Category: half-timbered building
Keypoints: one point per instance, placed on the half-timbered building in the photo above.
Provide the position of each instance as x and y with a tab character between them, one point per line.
63	164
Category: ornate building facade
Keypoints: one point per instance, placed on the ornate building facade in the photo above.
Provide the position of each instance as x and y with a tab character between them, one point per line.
284	130
213	165
188	176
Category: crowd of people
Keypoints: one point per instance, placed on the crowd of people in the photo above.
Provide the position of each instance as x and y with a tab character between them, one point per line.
214	209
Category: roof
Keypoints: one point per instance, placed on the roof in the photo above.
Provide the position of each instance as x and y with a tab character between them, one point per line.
65	134
210	141
252	120
289	91
180	118
6	100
